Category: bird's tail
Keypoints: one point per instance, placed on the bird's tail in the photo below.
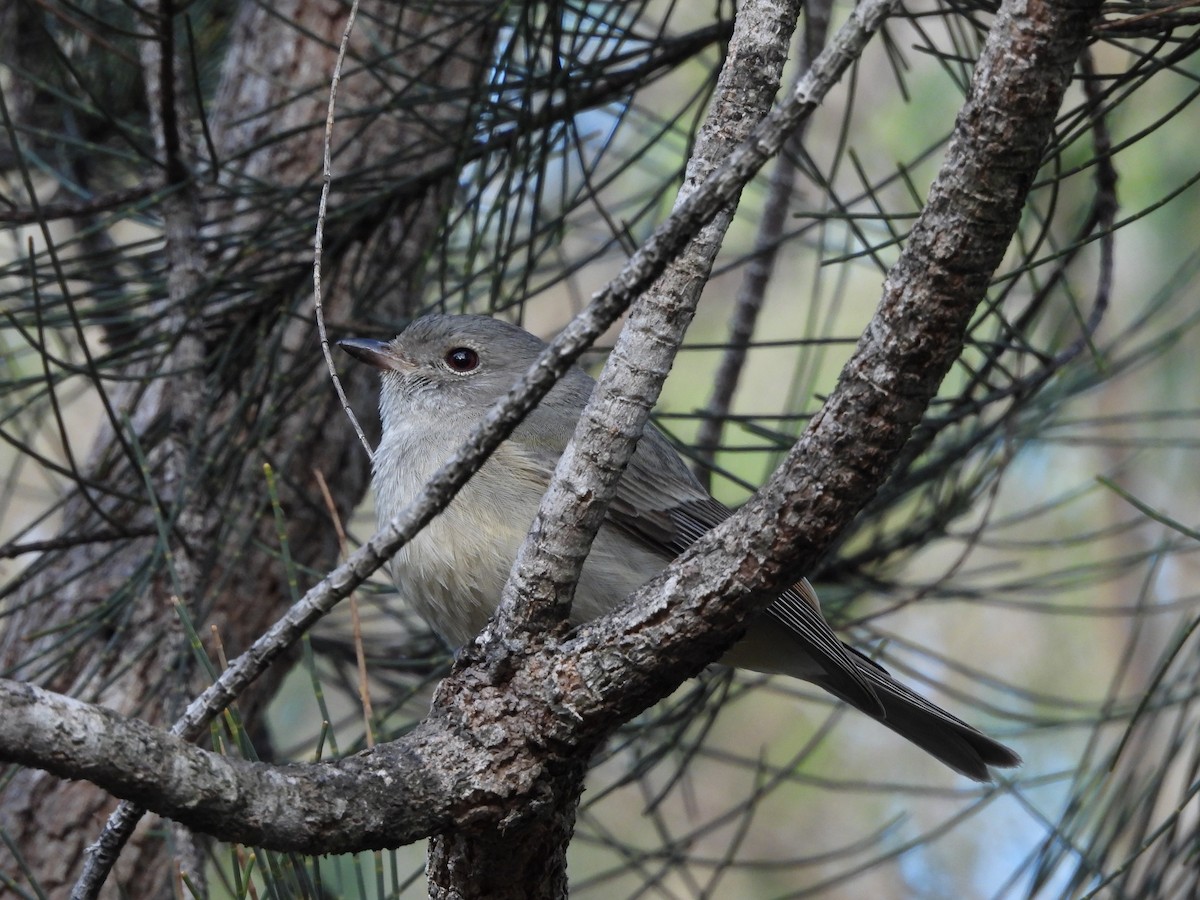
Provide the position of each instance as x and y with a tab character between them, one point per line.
953	741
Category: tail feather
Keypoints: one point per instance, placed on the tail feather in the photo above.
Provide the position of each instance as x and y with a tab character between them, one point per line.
868	687
949	739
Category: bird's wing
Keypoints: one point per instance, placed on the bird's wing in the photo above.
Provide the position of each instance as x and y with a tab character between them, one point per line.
661	503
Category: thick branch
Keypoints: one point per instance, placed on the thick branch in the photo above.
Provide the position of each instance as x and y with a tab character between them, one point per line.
549	563
394	795
752	292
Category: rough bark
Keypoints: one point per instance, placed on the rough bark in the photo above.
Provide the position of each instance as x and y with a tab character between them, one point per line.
900	361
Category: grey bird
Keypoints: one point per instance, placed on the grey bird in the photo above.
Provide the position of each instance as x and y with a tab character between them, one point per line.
441	375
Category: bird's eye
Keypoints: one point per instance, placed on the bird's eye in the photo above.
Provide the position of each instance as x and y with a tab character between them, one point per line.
462	359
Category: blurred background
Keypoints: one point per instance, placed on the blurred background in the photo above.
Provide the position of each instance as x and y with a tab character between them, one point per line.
1030	566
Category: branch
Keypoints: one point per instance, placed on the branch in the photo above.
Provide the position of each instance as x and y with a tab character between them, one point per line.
393	795
539	592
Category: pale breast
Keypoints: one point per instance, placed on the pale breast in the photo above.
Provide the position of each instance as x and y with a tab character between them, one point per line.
454	570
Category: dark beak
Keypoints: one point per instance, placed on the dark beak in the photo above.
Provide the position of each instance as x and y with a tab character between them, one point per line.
374	353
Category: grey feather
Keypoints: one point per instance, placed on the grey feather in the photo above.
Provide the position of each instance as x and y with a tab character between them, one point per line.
440	376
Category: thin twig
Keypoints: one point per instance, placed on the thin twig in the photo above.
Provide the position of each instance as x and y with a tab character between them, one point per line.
319	239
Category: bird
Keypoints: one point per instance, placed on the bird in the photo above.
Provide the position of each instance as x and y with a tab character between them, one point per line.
438	379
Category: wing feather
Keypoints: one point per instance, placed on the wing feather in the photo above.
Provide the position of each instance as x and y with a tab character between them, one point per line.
662	504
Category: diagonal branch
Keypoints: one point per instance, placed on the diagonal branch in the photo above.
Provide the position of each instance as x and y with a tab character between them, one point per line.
549	564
